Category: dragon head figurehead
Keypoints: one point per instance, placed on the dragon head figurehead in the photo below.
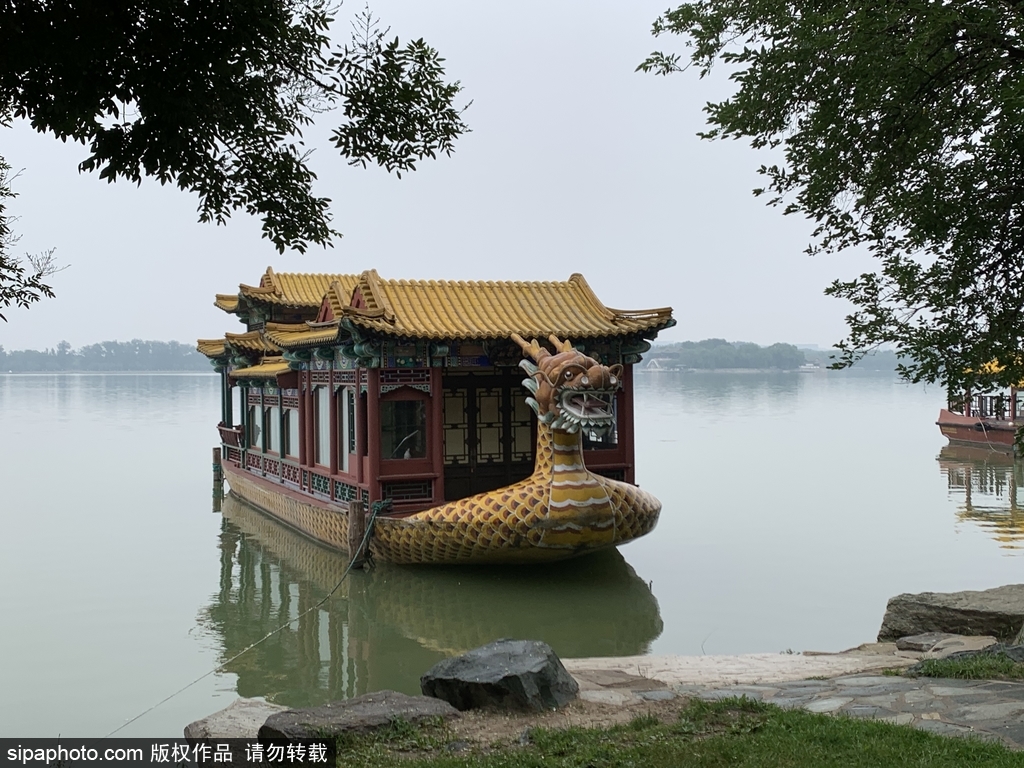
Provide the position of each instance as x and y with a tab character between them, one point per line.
570	390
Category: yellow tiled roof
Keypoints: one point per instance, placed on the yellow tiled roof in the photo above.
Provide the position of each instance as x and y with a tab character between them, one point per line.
211	347
289	335
295	289
226	301
440	309
251	341
269	368
443	309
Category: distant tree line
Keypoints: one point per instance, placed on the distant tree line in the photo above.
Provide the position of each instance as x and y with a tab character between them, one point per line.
877	360
716	354
134	355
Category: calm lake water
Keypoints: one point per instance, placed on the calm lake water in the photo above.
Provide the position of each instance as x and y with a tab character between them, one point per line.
794	506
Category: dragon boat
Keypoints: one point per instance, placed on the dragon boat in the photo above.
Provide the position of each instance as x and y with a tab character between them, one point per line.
397	404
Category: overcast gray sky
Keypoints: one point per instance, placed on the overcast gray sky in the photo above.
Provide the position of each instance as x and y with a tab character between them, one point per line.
576	163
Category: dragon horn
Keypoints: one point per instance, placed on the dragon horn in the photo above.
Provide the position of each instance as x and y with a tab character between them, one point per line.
533	349
560	346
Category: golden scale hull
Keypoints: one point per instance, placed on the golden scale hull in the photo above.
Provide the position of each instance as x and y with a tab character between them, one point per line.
560	511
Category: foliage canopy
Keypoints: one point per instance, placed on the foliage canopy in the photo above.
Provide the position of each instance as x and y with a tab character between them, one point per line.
898	127
19	285
213	97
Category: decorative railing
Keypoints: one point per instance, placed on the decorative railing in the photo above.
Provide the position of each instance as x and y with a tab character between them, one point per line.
416	378
290	472
345	377
408	490
305	480
320	484
996	407
405	376
344	491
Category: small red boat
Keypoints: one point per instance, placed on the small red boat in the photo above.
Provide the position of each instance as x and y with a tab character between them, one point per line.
984	421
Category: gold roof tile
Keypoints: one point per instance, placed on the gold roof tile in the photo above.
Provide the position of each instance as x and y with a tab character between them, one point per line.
251	341
295	289
211	347
440	309
226	301
268	368
289	335
443	309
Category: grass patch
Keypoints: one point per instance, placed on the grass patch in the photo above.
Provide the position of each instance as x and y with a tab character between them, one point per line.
994	666
720	734
401	739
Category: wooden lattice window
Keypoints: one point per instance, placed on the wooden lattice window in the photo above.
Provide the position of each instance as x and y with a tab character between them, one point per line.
403	429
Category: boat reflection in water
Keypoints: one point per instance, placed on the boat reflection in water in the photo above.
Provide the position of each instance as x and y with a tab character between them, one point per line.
385	627
988	483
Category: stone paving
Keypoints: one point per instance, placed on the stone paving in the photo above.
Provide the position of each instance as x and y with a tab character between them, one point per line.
950	707
846	683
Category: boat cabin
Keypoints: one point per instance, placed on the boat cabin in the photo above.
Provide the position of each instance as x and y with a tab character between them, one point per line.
353	386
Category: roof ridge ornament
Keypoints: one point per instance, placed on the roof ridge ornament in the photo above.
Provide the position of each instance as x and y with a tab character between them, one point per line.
377	296
271	278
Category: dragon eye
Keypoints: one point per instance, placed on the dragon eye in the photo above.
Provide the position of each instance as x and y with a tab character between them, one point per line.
568	374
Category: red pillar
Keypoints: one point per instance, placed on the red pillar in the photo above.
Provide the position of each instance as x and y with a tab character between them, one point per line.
373	432
302	418
335	434
357	470
309	422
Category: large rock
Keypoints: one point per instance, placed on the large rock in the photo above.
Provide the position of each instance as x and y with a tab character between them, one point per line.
523	675
239	720
922	643
1012	652
954	644
361	714
998	612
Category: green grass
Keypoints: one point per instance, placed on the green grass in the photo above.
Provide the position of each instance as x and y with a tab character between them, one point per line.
997	666
722	734
399	737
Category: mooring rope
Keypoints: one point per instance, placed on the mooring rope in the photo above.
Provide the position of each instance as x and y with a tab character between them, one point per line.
375	508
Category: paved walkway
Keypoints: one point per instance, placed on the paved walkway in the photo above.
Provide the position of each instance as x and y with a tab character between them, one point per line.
846	683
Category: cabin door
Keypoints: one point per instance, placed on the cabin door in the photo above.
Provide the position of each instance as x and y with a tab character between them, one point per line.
488	433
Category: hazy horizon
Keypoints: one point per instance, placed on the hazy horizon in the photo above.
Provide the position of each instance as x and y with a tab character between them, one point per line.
191	342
